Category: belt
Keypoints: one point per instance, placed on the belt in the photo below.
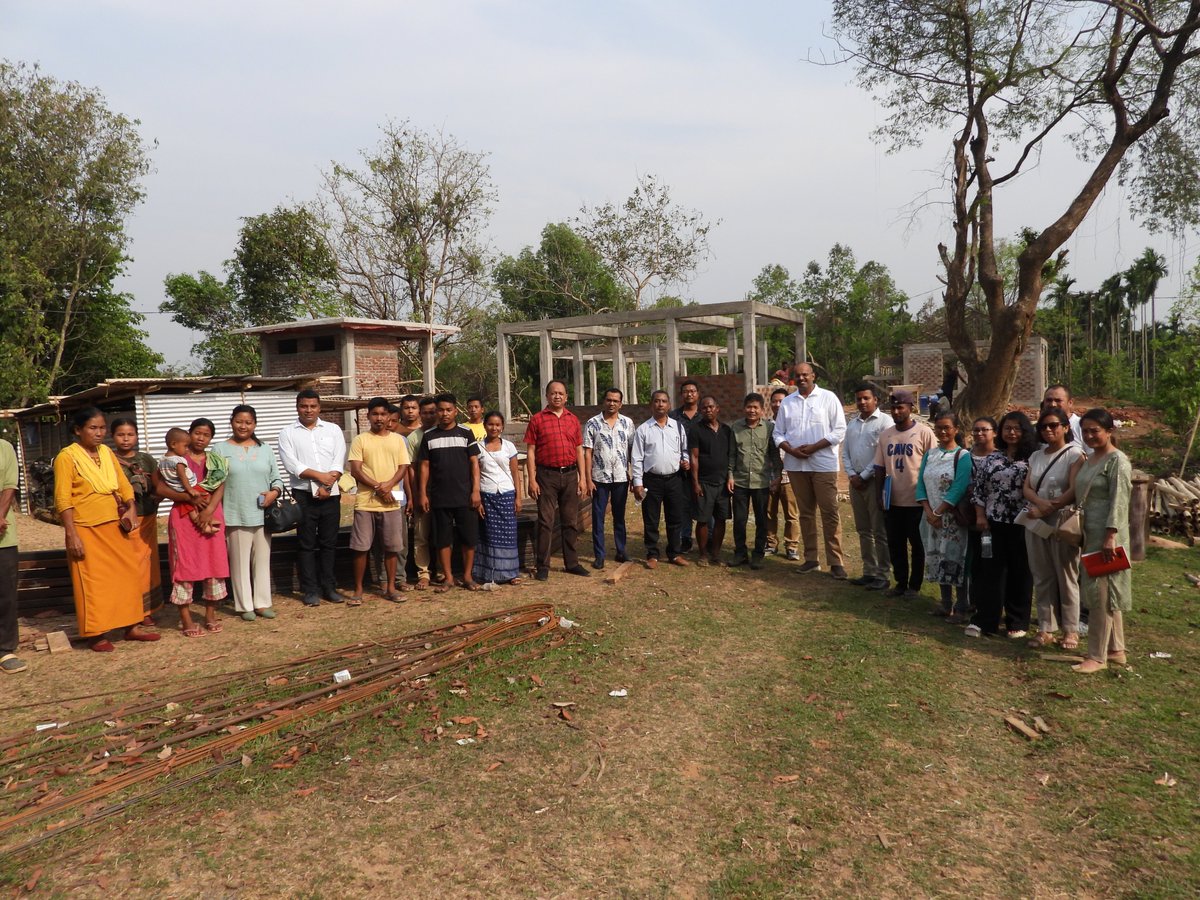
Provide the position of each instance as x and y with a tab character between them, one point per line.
662	475
571	468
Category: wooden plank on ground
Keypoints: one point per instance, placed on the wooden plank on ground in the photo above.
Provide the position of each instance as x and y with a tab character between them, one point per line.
1021	728
622	570
1061	657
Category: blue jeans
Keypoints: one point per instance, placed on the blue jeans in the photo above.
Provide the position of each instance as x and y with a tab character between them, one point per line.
618	492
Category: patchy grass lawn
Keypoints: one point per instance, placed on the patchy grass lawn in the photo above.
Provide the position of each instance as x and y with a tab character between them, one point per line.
782	735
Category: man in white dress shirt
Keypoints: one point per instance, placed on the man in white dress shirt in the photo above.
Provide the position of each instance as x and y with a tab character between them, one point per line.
858	456
314	454
659	454
810	425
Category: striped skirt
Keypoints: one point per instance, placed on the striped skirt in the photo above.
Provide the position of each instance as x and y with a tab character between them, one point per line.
496	555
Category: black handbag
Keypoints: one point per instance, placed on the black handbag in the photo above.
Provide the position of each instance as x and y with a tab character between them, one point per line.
282	515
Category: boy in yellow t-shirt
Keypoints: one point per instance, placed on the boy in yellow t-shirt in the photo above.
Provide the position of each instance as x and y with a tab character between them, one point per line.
379	463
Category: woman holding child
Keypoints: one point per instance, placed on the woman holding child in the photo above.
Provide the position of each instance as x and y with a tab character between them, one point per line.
96	504
253	484
193	478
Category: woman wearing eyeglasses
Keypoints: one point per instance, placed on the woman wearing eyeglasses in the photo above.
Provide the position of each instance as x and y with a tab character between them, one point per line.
1055	564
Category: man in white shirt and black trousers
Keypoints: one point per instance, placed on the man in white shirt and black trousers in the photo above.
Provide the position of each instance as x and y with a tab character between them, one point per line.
314	454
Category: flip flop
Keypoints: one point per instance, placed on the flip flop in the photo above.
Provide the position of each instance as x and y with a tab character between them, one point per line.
193	632
470	585
517	580
442	589
355	600
404	587
213	627
393	597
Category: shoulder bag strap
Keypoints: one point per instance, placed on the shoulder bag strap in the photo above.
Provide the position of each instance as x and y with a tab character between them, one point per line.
1037	487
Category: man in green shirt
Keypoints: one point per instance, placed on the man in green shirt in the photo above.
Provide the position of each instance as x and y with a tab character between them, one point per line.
754	470
10	663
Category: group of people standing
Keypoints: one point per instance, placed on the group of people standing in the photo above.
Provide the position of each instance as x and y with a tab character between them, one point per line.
984	523
925	506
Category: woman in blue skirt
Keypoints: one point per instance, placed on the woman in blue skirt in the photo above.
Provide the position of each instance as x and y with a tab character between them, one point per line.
496	557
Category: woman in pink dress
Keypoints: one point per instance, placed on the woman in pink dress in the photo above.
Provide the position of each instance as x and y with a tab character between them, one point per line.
195	556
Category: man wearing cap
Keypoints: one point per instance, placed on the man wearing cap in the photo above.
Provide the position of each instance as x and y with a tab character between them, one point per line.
897	469
810	425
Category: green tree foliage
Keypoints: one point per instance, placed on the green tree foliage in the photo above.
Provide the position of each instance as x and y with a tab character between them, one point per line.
647	241
564	276
282	269
204	303
70	174
407	228
283	266
998	78
1177	381
854	314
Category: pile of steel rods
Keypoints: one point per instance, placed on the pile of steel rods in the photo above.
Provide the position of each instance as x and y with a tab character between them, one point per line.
70	772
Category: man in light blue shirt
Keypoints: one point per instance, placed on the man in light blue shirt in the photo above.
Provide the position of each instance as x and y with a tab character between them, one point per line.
858	456
660	453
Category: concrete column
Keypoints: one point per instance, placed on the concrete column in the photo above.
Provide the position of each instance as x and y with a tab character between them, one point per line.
763	376
631	382
672	361
503	378
545	362
656	369
428	364
592	382
801	343
749	348
577	374
731	355
618	366
714	364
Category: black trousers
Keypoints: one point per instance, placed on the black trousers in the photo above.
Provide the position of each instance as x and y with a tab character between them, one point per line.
1004	582
8	600
318	531
663	492
743	500
904	531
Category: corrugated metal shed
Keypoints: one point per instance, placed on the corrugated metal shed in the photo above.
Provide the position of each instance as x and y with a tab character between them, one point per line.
156	413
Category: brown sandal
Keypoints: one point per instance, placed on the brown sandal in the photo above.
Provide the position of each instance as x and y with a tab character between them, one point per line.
1070	641
1043	639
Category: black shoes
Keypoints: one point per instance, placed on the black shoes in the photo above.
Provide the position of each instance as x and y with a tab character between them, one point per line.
580	570
542	575
311	600
597	564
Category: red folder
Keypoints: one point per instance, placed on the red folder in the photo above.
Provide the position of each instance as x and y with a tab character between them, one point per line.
1095	566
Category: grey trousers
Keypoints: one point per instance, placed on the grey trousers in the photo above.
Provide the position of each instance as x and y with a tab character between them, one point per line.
249	567
872	531
1106	626
1055	568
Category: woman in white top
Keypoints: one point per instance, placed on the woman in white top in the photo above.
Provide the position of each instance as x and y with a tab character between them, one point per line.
496	558
1055	564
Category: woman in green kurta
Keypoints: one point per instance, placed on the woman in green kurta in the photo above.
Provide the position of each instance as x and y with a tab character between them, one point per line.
1104	484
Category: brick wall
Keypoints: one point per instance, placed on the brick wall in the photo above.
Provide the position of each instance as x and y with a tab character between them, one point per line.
923	365
376	365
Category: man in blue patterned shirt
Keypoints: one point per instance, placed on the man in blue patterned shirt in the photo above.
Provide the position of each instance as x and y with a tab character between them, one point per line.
607	440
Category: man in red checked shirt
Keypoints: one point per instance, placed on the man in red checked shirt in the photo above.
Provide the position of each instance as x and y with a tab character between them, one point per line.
555	444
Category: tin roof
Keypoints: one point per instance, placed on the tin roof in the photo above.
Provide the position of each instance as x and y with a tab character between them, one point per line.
406	330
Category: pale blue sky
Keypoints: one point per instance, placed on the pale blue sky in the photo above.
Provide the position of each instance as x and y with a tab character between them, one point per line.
249	101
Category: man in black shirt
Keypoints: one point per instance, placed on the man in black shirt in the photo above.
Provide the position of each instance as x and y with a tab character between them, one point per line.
449	489
710	442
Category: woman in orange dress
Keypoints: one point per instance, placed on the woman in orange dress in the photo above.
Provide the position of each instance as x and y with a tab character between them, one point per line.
95	502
